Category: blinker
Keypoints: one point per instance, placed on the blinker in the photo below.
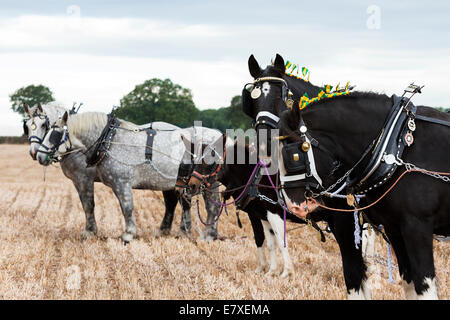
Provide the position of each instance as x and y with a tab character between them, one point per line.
55	137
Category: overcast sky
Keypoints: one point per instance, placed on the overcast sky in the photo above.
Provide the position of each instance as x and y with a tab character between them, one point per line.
95	52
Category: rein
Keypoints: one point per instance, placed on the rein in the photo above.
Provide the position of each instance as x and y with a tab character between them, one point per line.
432	173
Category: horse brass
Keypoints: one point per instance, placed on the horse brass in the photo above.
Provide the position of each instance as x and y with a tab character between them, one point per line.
289	103
350	200
411	125
296	157
256	92
305	146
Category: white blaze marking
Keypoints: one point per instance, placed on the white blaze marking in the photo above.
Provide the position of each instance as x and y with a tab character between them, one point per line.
265	88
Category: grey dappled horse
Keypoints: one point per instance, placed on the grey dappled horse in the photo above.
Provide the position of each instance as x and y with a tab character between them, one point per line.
74	167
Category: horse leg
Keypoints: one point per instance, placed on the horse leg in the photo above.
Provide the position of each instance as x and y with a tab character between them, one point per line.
342	226
170	201
85	189
258	232
213	211
277	225
185	225
418	239
269	235
404	266
125	196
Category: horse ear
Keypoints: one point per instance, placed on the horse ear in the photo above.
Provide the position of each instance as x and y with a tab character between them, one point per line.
247	103
187	143
40	107
253	67
279	63
65	117
26	108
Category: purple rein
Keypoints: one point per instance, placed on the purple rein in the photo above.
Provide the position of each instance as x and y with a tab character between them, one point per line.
222	205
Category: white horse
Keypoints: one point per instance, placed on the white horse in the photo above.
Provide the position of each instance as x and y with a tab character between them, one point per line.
125	167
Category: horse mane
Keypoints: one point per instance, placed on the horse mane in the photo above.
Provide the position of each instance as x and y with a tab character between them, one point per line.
351	94
85	122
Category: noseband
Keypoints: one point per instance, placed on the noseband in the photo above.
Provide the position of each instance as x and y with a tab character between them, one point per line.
204	178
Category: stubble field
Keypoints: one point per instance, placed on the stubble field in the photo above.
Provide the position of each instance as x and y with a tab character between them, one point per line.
42	255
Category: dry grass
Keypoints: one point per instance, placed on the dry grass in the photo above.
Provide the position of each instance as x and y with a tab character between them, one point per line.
42	256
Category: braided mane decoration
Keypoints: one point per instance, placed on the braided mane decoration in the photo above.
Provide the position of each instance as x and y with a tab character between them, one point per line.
325	93
293	67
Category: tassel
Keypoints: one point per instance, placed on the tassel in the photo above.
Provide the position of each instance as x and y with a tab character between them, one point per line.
357	232
238	220
391	278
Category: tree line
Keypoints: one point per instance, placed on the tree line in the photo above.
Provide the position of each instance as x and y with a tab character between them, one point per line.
153	100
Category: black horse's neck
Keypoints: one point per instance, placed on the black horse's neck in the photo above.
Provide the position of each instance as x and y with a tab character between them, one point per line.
347	124
236	173
299	87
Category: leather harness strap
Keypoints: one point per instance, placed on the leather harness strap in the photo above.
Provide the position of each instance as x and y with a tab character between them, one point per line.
149	145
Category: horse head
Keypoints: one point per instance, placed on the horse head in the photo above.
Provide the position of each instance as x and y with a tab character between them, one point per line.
35	126
207	166
55	141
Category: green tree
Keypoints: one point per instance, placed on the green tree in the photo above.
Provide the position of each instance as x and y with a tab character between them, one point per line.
443	109
238	119
30	95
158	100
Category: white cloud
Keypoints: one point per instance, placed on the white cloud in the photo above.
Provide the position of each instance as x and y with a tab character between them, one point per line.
99	60
100	82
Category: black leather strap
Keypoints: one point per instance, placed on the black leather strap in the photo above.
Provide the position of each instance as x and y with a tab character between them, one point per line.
149	145
433	120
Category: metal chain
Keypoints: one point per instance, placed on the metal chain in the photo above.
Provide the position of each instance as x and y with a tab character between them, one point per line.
333	185
412	167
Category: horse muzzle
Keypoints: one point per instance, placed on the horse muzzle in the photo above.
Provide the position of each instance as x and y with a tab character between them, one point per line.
44	159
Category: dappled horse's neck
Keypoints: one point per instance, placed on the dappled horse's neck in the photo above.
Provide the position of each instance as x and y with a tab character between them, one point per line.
86	128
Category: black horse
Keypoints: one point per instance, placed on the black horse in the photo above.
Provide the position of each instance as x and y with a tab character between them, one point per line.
265	109
347	130
241	178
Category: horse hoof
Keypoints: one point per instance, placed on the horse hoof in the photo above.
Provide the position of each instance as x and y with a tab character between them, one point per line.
182	234
162	233
287	274
127	237
87	234
210	237
260	269
271	273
